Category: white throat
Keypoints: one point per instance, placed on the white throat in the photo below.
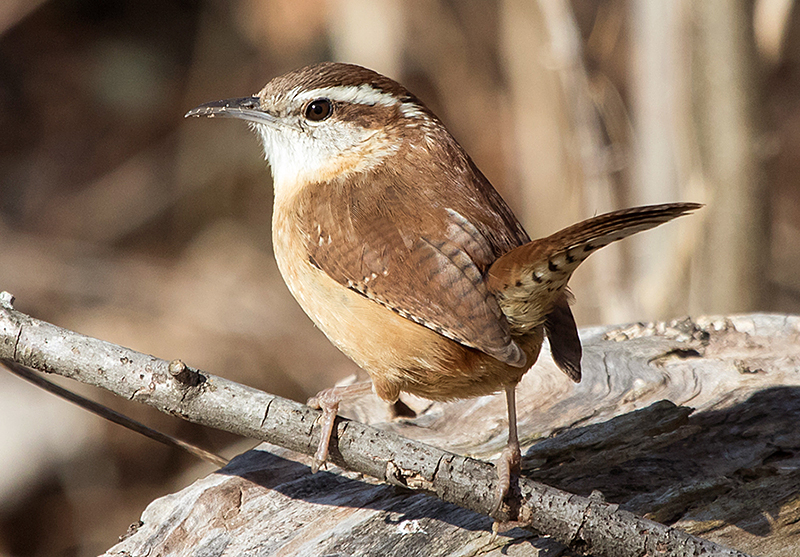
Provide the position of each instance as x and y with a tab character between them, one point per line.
306	155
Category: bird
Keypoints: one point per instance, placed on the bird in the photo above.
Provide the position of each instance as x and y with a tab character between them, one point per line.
404	255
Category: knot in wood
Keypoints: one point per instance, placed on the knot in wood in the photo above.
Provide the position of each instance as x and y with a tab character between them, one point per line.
406	478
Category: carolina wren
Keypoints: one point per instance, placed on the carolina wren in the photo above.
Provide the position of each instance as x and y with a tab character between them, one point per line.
402	252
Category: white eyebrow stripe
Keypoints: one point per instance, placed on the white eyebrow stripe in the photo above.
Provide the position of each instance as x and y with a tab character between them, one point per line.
361	94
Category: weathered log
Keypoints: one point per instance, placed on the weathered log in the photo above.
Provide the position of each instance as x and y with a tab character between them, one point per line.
728	471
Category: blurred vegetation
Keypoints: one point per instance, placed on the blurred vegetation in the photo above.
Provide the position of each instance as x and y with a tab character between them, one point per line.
123	221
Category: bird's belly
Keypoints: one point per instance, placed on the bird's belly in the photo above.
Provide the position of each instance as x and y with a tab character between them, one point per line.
398	354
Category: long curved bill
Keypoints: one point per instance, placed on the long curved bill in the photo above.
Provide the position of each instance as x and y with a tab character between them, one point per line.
244	108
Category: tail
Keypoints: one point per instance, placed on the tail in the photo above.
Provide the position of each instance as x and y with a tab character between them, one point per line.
530	281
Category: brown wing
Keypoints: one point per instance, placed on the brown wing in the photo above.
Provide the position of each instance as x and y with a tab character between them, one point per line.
394	244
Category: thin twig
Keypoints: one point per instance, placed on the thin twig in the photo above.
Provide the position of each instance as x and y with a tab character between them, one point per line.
112	415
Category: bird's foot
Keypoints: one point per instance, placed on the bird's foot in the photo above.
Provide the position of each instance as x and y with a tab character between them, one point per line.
328	401
508	465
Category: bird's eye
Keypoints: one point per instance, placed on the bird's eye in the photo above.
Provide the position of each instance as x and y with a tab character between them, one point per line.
318	110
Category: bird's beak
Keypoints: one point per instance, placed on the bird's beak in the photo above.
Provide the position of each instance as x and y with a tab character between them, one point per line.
245	108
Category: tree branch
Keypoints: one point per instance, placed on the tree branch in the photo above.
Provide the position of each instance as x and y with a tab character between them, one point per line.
579	522
110	415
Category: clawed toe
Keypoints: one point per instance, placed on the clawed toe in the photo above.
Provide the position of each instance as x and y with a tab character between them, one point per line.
328	401
507	465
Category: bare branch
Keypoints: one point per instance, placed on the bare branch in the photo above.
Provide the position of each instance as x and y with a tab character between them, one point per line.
583	523
112	416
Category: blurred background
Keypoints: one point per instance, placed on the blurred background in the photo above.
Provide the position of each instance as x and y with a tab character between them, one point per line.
121	220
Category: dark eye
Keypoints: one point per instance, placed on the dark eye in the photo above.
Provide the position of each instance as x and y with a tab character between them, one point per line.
318	110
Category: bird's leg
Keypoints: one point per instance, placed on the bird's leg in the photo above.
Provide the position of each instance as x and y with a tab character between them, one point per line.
328	401
509	461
